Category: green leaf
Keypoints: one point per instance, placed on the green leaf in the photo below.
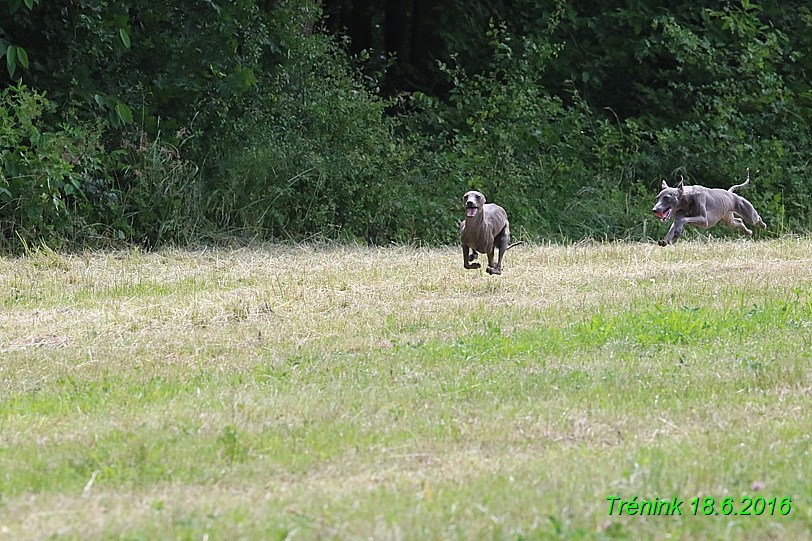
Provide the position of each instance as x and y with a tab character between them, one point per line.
124	113
22	56
125	37
35	137
11	59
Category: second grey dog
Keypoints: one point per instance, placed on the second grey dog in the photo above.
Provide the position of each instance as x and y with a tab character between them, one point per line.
704	207
484	229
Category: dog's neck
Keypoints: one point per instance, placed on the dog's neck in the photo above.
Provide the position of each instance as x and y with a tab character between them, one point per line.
683	201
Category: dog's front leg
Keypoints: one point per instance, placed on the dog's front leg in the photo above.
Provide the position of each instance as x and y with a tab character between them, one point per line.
466	259
681	220
673	233
679	226
676	230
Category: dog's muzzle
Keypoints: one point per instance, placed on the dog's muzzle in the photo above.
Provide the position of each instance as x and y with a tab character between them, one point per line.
664	215
471	211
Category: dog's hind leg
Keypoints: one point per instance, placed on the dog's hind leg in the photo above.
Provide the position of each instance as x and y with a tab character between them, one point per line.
747	211
733	221
501	242
490	269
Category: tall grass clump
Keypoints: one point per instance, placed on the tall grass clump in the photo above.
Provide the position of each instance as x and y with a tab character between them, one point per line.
160	190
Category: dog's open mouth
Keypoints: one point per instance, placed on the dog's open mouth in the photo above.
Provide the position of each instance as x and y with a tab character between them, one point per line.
665	215
471	211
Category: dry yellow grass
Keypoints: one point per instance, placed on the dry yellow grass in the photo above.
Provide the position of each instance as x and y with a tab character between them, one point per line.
334	391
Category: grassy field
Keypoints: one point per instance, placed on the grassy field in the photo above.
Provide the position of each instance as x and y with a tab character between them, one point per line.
334	392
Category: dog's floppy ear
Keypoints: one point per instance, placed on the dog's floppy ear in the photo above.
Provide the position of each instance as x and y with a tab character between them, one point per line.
664	185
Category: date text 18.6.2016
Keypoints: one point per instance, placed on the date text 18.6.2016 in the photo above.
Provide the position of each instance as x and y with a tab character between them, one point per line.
706	506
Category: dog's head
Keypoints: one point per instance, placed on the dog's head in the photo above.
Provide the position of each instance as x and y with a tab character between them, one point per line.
668	200
474	202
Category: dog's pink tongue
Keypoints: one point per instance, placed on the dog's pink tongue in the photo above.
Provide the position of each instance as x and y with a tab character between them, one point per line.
470	211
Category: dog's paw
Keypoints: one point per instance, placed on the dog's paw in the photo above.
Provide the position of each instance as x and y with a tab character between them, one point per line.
662	243
473	266
491	270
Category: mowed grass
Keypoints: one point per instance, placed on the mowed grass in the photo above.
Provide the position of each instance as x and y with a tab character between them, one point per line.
334	392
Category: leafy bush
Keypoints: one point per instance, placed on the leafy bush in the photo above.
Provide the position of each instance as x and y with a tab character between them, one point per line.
552	165
189	120
315	154
734	112
37	179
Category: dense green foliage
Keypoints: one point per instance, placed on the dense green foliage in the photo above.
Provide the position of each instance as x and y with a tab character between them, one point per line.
190	120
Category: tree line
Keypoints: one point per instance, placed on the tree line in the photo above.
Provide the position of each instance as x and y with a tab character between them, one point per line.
194	120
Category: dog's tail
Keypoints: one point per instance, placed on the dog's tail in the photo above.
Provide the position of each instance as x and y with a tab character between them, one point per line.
742	185
514	244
